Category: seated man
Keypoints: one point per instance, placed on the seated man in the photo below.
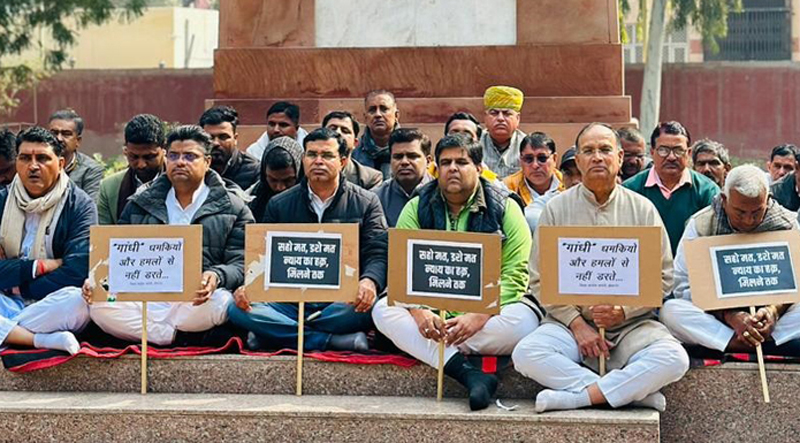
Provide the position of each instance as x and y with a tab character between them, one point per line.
281	168
189	193
8	156
743	207
382	117
466	123
220	123
346	125
781	162
144	150
67	126
44	248
323	196
711	159
462	201
502	138
569	169
410	151
283	120
634	158
785	190
539	178
643	356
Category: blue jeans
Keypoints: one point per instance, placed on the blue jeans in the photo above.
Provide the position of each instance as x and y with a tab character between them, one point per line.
275	324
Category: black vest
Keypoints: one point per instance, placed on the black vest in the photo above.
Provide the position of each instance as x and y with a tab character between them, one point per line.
489	220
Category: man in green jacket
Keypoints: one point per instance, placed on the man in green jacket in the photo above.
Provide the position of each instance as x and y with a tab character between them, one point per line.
144	149
460	200
676	190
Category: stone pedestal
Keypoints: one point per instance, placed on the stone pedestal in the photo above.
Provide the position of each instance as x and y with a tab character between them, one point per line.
438	57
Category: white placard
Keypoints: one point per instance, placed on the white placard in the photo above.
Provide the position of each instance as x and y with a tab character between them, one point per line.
145	265
598	266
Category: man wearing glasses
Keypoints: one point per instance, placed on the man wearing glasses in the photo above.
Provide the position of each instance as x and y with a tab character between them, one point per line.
562	353
676	190
144	150
323	196
634	159
539	175
189	193
502	139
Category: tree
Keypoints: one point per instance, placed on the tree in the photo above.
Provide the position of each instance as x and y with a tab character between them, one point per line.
62	20
709	17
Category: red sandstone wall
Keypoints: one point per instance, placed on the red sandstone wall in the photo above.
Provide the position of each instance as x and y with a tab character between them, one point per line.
749	107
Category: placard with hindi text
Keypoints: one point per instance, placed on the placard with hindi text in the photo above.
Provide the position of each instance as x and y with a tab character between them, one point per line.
145	262
600	265
454	271
302	262
740	270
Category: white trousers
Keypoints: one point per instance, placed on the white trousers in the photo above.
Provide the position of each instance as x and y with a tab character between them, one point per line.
551	357
692	326
62	310
124	319
498	337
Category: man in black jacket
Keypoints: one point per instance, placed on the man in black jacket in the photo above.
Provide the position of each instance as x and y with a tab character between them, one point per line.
323	197
189	193
220	123
44	248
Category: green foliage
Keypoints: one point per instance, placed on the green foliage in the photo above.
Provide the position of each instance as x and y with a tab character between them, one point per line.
62	20
112	165
709	17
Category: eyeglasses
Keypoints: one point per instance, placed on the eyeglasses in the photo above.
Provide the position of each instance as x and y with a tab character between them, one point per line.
664	151
541	159
189	157
327	156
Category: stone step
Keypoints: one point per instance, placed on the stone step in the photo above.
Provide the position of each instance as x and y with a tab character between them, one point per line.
66	417
542	70
721	403
439	109
254	375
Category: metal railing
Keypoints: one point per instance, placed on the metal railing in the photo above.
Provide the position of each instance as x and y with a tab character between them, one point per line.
763	31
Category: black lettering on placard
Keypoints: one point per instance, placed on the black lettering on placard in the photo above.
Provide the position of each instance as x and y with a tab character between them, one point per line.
756	269
445	270
305	261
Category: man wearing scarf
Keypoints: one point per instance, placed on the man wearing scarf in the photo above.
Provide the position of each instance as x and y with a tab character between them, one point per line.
745	206
144	150
382	116
44	254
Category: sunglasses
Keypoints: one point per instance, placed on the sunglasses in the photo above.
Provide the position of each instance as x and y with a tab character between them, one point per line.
541	159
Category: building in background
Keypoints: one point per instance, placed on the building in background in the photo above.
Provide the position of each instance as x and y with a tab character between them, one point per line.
169	34
766	30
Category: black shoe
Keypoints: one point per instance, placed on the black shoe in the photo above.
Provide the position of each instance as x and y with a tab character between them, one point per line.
481	386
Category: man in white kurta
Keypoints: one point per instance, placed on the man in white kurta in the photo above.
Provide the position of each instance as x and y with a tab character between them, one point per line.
642	355
743	207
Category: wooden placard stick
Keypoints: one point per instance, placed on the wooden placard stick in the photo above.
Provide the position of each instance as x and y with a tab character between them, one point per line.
602	358
440	377
301	321
762	370
144	347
